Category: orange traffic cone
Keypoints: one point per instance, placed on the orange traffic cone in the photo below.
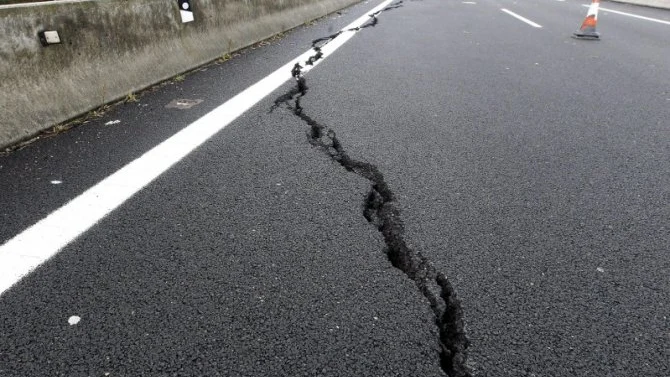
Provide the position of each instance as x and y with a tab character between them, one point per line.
588	29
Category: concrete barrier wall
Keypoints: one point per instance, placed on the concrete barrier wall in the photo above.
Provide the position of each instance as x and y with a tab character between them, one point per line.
113	47
649	3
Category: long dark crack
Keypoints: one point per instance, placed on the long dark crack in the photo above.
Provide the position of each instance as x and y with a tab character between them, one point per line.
379	209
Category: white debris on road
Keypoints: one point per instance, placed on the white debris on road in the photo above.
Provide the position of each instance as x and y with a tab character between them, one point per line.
73	320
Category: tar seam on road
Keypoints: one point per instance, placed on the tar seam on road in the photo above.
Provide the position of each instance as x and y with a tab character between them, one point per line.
379	209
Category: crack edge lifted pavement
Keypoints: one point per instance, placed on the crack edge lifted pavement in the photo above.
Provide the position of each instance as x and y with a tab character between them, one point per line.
380	210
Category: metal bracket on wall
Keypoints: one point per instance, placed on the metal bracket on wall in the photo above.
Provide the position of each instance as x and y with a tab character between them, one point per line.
50	37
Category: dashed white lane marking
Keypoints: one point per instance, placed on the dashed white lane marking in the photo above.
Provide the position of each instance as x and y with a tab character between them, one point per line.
56	182
74	320
26	251
633	15
529	22
469	2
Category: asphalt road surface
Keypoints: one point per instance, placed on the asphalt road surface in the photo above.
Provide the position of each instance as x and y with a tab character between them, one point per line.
454	190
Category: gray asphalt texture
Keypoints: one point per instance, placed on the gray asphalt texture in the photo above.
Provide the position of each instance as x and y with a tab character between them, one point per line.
531	168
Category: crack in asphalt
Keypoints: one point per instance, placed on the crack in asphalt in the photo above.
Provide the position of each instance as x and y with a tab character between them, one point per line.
380	210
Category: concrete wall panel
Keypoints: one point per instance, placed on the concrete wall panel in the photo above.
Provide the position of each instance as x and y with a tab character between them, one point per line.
113	47
665	4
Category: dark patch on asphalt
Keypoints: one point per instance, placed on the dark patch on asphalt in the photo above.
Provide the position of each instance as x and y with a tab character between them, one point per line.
379	209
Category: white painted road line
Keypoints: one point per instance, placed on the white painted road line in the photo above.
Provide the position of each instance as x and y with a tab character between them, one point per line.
633	15
529	22
26	251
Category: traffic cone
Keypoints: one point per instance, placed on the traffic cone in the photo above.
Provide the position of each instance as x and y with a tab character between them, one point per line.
588	29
